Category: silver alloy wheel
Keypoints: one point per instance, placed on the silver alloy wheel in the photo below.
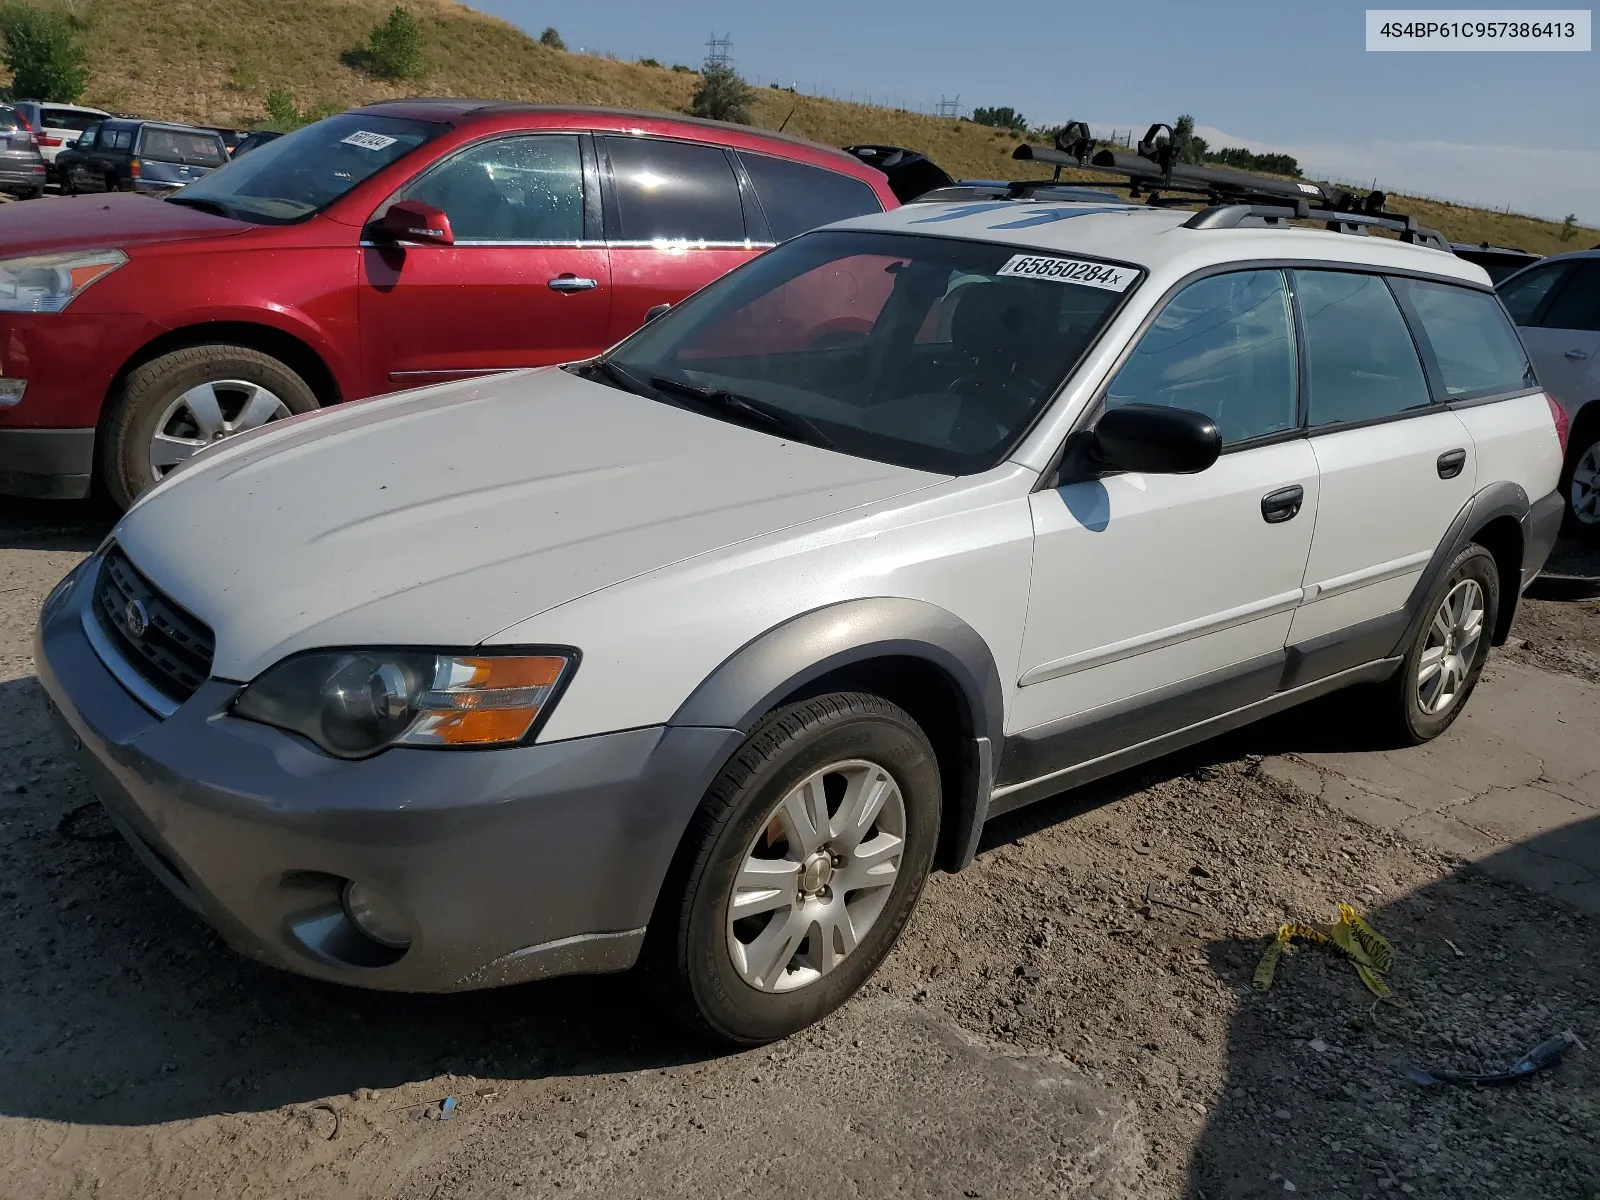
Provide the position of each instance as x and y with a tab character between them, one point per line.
206	413
1584	494
817	876
1451	646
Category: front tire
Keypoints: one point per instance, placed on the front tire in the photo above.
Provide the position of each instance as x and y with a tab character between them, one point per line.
800	868
174	406
1445	658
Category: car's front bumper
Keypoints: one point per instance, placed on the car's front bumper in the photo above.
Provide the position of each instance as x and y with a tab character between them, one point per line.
508	864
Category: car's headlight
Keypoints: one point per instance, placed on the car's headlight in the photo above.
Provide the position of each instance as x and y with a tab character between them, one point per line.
354	703
49	282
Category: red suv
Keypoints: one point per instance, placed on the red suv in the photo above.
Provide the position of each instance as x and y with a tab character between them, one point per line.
397	245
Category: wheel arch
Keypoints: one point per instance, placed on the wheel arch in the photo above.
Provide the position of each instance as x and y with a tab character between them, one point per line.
1495	518
294	352
912	653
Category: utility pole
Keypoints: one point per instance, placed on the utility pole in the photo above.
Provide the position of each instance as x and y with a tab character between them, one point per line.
719	50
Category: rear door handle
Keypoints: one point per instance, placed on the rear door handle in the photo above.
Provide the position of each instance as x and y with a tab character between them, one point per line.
1282	505
571	283
1576	354
1451	462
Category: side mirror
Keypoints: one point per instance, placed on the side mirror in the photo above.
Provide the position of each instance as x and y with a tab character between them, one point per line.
652	313
414	221
1149	439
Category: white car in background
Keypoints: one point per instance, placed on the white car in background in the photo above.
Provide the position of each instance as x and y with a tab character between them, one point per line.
705	651
58	126
1556	305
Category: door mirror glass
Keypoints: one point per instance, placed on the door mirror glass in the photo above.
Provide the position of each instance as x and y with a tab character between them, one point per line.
413	221
1153	439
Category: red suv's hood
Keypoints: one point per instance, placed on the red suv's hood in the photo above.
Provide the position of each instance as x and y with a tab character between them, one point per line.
118	220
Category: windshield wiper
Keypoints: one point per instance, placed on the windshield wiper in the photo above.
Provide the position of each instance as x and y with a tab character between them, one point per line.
769	415
211	206
626	380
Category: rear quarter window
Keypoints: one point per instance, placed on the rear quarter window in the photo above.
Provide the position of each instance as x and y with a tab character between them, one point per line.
798	197
1477	351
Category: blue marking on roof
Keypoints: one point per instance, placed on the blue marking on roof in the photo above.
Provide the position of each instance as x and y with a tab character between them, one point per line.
1050	216
967	210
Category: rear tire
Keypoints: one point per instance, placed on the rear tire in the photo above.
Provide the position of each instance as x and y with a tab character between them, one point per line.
1442	664
191	398
808	941
1580	484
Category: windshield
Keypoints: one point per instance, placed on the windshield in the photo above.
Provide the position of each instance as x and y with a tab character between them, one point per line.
926	352
181	146
292	177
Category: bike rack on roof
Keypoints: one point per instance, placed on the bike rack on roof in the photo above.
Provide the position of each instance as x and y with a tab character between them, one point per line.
1235	199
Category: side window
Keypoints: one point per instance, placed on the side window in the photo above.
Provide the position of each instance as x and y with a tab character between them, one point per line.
121	139
674	191
516	189
1223	346
1360	360
1477	350
797	197
1523	295
1577	304
86	139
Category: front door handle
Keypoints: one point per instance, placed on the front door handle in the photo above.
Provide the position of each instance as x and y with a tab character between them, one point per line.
1575	354
571	283
1451	462
1282	505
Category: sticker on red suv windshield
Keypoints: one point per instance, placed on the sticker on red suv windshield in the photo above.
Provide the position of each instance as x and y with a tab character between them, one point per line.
368	141
1069	270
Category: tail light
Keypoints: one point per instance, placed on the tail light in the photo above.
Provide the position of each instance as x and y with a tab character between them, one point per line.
1563	422
22	118
46	140
134	168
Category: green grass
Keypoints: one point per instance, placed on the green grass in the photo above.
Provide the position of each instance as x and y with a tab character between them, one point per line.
214	61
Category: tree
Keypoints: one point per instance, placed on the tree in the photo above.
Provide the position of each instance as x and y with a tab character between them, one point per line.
1247	160
1188	146
723	95
1000	118
551	38
394	47
1569	227
42	49
285	116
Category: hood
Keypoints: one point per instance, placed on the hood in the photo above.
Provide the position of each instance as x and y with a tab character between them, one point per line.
118	220
440	517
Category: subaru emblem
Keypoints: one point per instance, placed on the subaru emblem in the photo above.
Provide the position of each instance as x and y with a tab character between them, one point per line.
136	617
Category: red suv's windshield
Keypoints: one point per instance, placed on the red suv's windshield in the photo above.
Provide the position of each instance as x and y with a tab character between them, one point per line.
303	172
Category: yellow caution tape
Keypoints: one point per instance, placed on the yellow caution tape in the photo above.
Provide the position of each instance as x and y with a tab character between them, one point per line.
1350	936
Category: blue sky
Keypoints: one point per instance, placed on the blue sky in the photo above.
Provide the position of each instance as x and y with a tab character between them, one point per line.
1496	129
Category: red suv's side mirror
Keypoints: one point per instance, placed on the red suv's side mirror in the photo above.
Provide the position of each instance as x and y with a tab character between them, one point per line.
414	221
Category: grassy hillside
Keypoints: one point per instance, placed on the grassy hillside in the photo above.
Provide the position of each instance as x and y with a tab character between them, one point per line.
214	60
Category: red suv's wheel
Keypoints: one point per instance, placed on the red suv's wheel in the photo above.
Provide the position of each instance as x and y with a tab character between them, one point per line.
178	404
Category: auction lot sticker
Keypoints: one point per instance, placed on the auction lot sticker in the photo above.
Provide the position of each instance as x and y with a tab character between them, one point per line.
368	141
1069	270
1478	29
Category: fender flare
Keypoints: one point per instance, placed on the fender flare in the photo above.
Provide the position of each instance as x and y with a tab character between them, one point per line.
1497	500
784	659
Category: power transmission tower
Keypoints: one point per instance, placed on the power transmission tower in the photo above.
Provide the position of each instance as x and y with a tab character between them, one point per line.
719	50
949	108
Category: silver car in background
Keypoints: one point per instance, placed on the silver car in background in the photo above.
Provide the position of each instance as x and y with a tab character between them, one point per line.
22	169
1556	307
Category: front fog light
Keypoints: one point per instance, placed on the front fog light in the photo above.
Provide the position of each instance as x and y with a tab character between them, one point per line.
376	917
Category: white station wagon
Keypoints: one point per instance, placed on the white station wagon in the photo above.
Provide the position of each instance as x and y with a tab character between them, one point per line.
703	653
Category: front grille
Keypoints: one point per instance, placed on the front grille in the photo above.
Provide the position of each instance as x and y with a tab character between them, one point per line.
173	651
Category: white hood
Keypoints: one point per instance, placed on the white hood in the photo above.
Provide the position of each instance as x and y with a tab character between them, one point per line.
440	517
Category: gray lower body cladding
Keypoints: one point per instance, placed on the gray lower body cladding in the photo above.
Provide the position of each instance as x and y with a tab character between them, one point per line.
49	464
508	864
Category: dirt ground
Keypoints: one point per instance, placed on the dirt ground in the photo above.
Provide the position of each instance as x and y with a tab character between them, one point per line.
1071	1016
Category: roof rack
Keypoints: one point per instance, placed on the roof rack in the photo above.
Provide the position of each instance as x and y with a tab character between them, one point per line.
1024	189
1235	198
